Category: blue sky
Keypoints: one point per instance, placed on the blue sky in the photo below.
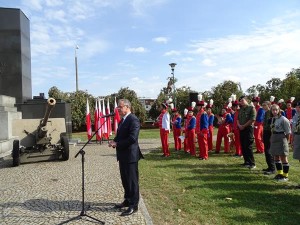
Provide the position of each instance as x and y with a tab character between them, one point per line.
130	43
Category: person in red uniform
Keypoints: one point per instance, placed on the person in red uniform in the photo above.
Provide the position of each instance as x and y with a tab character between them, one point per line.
176	124
224	121
202	130
211	118
186	119
235	129
290	112
258	125
191	125
164	128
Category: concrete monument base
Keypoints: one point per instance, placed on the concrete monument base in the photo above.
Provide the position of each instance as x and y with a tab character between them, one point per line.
8	112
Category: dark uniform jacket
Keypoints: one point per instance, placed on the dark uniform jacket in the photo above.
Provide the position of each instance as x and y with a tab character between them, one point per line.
128	149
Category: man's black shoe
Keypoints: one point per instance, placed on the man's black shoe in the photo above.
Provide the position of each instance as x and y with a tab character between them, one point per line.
269	172
265	170
129	211
122	205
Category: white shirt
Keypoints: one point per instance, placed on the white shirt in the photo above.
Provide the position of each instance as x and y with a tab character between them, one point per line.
166	121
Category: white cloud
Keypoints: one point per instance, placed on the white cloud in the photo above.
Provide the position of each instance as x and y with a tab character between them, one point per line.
54	2
56	15
173	52
163	40
33	4
187	59
208	62
93	46
140	6
138	49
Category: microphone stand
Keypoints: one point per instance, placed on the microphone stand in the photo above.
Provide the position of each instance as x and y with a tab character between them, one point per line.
82	153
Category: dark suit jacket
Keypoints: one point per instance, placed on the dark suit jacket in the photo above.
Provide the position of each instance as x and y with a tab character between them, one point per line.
128	149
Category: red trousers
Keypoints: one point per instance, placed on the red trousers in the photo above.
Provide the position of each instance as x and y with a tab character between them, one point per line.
177	141
210	136
222	133
185	142
237	142
191	141
258	135
202	142
164	137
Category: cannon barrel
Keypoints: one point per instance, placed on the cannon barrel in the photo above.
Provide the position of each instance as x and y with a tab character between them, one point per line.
50	105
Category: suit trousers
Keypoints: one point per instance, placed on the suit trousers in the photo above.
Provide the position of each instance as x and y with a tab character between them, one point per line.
130	181
268	156
247	139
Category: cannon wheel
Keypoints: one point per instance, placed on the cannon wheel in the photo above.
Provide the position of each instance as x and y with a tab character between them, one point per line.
16	153
65	148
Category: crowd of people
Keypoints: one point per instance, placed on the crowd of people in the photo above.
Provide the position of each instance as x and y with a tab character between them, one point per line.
241	123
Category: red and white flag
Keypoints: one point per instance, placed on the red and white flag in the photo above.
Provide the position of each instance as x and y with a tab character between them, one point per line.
88	120
108	120
97	120
104	121
117	118
99	133
96	116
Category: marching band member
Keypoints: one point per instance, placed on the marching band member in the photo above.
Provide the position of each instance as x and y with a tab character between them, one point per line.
224	121
202	129
164	127
191	131
211	118
176	122
235	129
258	124
185	130
290	112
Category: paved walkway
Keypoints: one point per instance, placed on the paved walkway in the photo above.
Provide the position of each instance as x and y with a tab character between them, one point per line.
51	192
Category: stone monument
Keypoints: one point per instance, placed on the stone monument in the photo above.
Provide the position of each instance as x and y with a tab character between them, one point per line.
15	57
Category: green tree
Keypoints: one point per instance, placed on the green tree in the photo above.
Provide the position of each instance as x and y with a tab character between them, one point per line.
55	93
222	92
290	87
78	108
274	87
294	72
137	108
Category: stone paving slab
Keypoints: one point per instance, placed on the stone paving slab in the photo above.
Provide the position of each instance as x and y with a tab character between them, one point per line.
51	192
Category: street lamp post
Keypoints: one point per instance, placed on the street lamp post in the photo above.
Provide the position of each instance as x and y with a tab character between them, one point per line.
76	67
172	65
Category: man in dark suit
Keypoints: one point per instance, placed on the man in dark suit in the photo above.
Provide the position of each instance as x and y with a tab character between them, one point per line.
128	155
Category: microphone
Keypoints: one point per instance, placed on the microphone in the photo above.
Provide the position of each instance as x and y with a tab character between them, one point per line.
108	115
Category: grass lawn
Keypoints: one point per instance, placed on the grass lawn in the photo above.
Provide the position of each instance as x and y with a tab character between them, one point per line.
184	190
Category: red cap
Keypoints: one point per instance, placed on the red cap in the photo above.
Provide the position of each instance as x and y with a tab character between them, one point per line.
165	105
190	109
174	110
235	103
256	99
200	103
225	107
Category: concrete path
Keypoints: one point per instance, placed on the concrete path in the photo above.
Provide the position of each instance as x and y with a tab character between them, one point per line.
51	192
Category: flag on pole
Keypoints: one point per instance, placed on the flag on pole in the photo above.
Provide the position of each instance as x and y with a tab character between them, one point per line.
96	116
88	120
96	120
108	119
99	133
104	121
117	118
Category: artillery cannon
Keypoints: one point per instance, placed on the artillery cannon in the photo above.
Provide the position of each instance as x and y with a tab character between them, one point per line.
40	139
